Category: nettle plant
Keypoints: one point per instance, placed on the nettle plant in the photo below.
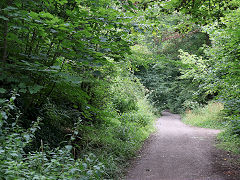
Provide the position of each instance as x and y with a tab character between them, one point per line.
58	163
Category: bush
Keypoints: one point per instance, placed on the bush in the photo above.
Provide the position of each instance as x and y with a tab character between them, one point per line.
65	143
58	163
117	140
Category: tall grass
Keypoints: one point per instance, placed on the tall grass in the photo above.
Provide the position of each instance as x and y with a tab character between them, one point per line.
212	116
209	116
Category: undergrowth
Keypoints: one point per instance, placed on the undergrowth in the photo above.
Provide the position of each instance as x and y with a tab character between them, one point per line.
229	141
118	139
91	149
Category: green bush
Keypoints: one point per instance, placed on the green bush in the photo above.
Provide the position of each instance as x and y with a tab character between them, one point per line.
58	163
117	139
66	142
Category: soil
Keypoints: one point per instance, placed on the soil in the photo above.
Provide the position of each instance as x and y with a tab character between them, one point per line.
180	152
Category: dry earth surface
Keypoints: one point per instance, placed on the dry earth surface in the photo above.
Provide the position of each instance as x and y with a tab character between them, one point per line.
180	152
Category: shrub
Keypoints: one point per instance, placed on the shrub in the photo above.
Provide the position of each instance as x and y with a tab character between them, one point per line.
58	163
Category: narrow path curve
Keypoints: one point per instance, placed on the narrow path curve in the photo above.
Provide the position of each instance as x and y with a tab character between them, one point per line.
177	152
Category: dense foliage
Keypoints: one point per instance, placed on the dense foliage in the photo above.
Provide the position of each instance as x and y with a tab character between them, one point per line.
196	57
76	77
218	71
70	107
162	74
195	50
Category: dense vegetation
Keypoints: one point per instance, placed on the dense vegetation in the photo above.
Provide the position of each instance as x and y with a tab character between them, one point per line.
79	79
196	52
70	107
197	60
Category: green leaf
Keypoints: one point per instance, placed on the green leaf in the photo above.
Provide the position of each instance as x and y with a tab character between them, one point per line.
14	154
34	89
4	115
68	147
2	90
1	151
27	137
75	106
23	90
4	18
11	106
33	14
62	2
55	67
46	15
10	8
22	85
2	101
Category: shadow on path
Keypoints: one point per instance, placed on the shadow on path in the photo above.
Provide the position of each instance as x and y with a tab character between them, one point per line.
178	152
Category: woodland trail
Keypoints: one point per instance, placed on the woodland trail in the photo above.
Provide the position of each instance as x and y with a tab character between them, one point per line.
180	152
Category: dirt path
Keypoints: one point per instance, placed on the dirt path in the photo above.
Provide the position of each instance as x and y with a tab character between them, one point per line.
179	152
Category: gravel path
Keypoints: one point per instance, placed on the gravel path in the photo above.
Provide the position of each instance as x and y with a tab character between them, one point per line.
179	152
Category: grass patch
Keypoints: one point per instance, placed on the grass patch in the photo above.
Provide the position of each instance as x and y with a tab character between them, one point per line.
208	116
211	116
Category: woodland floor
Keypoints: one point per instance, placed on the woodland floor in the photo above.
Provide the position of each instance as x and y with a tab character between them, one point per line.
180	152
